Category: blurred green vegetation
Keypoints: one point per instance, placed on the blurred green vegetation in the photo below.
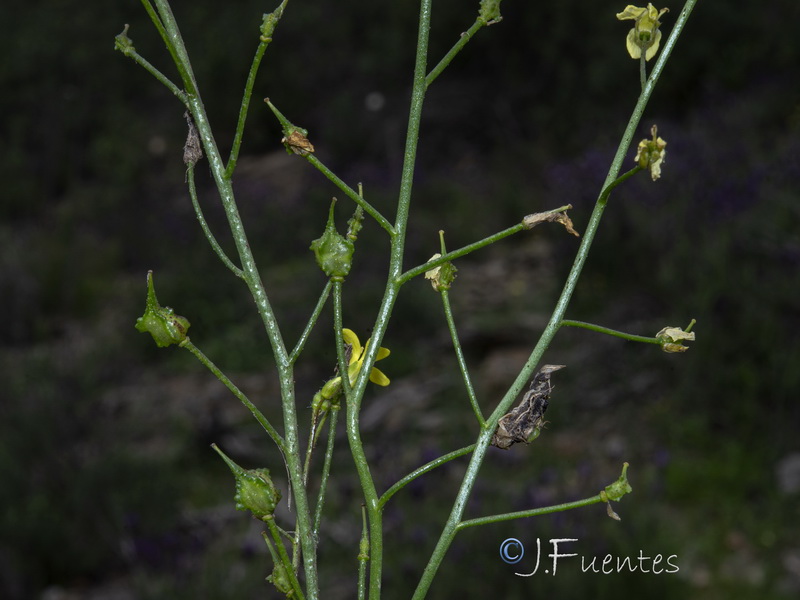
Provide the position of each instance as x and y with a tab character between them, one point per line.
106	478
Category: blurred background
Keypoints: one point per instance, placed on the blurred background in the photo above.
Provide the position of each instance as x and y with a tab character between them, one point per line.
108	487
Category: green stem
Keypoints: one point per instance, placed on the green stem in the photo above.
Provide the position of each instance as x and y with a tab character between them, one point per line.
604	195
276	437
323	298
614	332
449	256
354	396
312	442
357	449
284	558
420	269
351	193
457	47
245	105
267	27
534	512
643	69
326	470
363	556
437	462
204	225
151	12
451	527
167	27
128	50
253	279
462	363
412	138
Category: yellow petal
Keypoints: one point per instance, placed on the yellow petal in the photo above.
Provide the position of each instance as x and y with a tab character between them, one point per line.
351	338
632	44
651	51
377	376
382	353
352	371
631	12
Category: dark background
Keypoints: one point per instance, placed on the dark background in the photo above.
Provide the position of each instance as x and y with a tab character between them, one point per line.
108	488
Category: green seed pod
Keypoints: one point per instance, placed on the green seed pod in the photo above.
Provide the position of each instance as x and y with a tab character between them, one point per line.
123	43
254	489
334	253
620	487
161	322
489	12
280	579
355	224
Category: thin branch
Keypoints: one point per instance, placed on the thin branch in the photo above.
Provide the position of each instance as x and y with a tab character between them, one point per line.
323	299
462	363
326	469
352	194
248	92
267	28
522	514
284	558
204	225
426	468
620	334
451	54
273	433
427	266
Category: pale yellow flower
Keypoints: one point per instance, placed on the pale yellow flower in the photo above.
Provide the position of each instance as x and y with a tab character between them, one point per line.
672	339
650	153
645	35
357	355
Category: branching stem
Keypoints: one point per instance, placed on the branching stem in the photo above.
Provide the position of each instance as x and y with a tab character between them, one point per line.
204	225
451	527
621	334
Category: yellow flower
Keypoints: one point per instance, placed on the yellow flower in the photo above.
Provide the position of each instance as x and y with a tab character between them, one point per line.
357	355
645	35
651	153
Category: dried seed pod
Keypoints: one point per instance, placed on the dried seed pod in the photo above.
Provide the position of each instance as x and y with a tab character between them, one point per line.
525	421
